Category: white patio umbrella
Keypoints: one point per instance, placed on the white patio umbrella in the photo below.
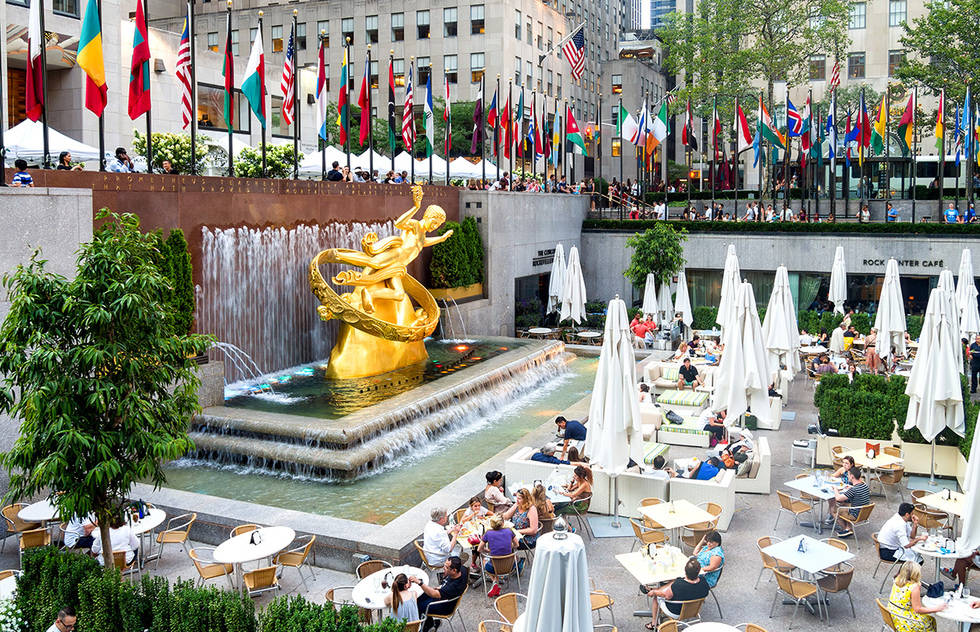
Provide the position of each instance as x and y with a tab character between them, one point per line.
969	539
780	330
838	281
665	306
26	140
557	279
730	281
615	435
682	301
966	297
935	397
890	317
742	380
650	296
572	298
949	296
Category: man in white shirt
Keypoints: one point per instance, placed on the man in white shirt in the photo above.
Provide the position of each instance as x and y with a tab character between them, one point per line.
438	543
78	533
899	534
65	621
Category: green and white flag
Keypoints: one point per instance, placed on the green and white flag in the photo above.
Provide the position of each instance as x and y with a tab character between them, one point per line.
626	127
659	125
253	85
429	117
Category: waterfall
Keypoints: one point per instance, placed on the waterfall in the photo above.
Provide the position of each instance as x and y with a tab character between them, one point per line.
255	292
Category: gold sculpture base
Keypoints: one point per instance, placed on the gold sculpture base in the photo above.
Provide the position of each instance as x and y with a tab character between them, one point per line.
358	354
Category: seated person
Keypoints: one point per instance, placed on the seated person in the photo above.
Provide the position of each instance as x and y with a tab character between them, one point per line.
857	494
695	345
905	601
715	424
710	556
474	510
403	599
660	468
824	365
687	374
847	464
644	396
571	430
773	392
850	332
806	339
704	470
439	544
650	337
454	582
682	352
577	458
121	537
78	533
741	445
691	586
497	541
546	509
494	492
524	515
547	455
713	355
899	534
581	483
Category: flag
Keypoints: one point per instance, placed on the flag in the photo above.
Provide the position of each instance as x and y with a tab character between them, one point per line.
574	51
556	128
757	138
408	112
658	126
835	75
940	119
519	124
650	139
492	121
715	129
794	120
906	126
878	131
965	124
768	128
688	137
477	124
538	147
863	126
572	132
362	102
816	151
850	135
392	133
806	138
447	117
228	72
532	147
91	61
139	69
321	94
287	83
626	127
956	134
253	84
343	109
743	138
831	128
642	124
505	125
34	101
428	117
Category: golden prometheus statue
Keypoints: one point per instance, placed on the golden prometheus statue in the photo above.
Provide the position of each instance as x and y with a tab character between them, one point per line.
381	329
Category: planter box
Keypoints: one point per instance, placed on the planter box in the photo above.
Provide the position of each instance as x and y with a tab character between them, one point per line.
950	462
457	293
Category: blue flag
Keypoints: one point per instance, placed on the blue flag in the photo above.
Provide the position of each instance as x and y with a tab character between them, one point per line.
831	130
964	126
956	134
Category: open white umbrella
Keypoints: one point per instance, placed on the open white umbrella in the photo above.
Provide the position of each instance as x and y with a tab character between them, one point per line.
969	539
838	281
557	279
573	290
966	297
731	279
649	296
615	435
949	296
935	396
890	317
742	380
26	140
780	330
682	301
665	306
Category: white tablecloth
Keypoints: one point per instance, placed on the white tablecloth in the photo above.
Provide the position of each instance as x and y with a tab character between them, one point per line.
558	595
368	592
41	511
956	609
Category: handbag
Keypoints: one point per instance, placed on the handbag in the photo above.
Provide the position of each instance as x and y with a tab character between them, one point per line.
674	418
935	590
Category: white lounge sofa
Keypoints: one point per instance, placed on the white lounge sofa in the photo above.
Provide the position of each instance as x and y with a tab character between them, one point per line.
758	479
720	489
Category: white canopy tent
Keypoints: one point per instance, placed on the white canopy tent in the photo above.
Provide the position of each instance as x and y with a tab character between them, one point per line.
780	330
890	317
682	300
572	298
730	281
966	297
312	164
649	305
615	435
742	380
838	281
382	163
460	167
557	280
26	140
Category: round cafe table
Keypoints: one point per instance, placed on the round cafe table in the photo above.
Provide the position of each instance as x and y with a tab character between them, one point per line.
239	549
368	592
41	511
558	591
957	610
930	548
711	626
144	528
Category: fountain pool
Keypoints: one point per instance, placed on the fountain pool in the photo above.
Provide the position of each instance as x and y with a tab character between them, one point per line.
406	480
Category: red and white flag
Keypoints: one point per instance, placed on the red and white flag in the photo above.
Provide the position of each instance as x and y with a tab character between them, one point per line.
743	138
715	130
447	117
835	75
362	102
574	51
34	102
288	83
183	73
408	113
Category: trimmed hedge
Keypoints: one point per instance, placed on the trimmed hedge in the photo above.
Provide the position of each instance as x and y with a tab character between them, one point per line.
879	228
458	261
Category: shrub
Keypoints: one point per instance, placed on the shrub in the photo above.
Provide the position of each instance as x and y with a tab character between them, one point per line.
474	249
278	161
862	322
913	324
458	261
704	317
296	613
173	147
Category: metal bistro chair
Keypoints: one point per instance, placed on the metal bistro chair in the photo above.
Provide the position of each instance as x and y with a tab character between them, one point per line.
261	580
448	617
432	568
690	610
579	508
31	539
370	567
14	524
645	536
769	562
485	626
888	573
837	544
131	569
932	521
887	622
177	532
334	596
796	589
670	626
507	606
600	599
793	506
207	567
750	627
711	590
862	518
837	580
503	567
835	453
297	558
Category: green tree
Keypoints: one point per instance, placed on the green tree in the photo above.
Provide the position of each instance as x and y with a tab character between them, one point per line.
658	250
943	44
102	388
180	274
278	161
173	147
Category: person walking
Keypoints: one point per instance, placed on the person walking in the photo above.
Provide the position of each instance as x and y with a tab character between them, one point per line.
974	355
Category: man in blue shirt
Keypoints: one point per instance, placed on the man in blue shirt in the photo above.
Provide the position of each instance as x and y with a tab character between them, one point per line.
951	215
572	431
891	213
547	455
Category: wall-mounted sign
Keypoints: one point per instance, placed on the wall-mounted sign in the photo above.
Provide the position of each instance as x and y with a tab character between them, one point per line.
905	263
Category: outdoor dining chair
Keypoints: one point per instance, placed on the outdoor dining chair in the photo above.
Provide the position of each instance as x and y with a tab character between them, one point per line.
298	557
793	506
888	574
835	453
646	537
599	600
836	543
798	590
370	567
489	625
340	596
507	606
862	518
714	595
243	528
690	610
503	567
932	521
579	509
750	627
177	532
887	622
261	580
207	567
33	538
432	568
837	580
448	617
131	569
13	523
669	626
412	626
892	476
769	562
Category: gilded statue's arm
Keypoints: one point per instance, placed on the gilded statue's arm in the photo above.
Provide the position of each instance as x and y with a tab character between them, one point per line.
405	220
429	241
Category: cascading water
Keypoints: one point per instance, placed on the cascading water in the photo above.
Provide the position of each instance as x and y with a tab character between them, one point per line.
241	361
255	295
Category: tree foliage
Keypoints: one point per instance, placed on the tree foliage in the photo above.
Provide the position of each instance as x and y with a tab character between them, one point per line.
91	368
278	161
943	45
458	261
173	147
658	250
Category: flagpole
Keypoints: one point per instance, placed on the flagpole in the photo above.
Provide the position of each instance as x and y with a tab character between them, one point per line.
521	137
762	156
322	142
738	123
411	153
571	167
483	127
971	154
370	90
564	158
262	92
619	117
714	149
786	162
345	122
833	155
496	129
295	35
942	151
149	131
428	95
888	144
915	147
534	143
688	158
702	128
102	115
598	119
507	132
190	32
809	172
46	158
447	131
956	193
391	69
231	101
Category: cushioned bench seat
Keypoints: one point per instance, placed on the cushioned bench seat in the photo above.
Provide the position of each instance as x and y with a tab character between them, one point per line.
691	433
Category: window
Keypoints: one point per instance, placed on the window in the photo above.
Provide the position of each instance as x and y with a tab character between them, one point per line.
897	12
449	67
616	147
371	29
527	30
540	78
551	37
213	42
347	31
323	30
374	74
818	67
529	71
211	109
477	67
855	66
277	39
301	36
423	64
540	40
65	7
422	23
858	15
517	25
614	115
518	65
617	84
551	80
252	33
279	127
449	17
398	67
558	89
895	59
397	27
477	23
234	42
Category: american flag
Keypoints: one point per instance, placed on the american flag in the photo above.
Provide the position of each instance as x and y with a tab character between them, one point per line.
408	114
184	73
574	51
288	83
835	75
670	98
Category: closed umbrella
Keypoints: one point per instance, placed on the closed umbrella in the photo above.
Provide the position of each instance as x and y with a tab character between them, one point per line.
970	536
949	297
730	280
615	435
935	396
649	296
890	317
742	380
780	330
682	301
665	306
557	279
573	290
966	297
838	281
558	593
